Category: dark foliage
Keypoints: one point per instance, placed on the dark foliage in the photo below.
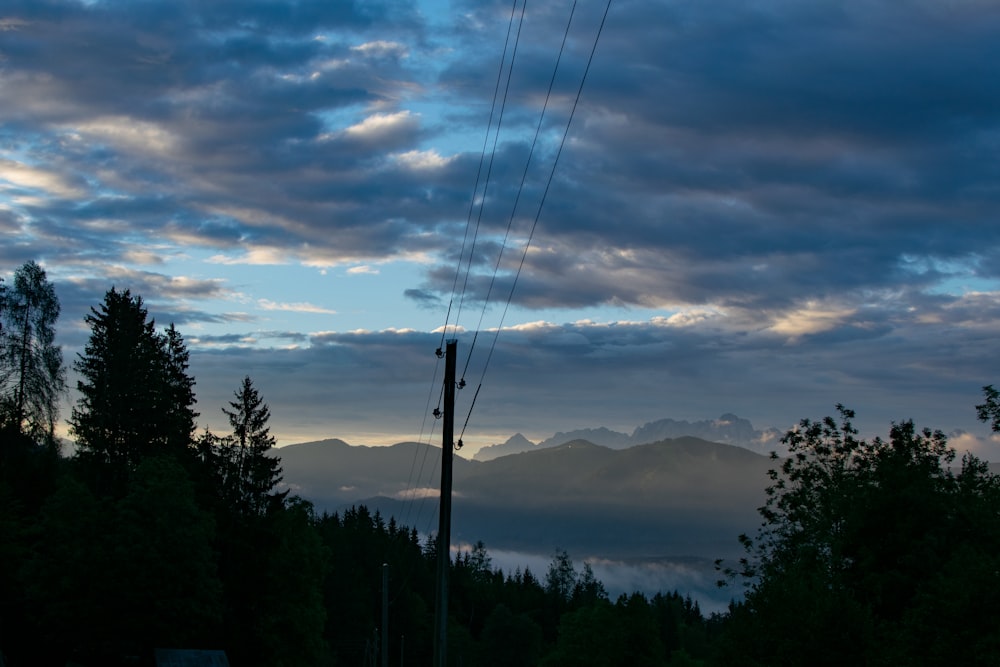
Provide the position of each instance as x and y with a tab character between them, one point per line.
869	553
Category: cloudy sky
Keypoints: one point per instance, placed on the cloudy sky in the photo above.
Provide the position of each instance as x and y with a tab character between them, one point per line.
763	208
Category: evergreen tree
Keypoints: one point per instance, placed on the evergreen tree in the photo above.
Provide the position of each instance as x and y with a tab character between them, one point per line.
135	394
249	475
32	377
560	580
178	397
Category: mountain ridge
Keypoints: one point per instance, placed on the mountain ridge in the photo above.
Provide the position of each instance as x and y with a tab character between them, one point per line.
682	496
727	429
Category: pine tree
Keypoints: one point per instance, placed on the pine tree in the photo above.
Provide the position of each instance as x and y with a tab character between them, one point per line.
135	395
249	475
32	377
178	397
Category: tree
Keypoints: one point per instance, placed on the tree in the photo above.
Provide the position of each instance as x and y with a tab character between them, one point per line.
560	580
990	409
178	397
861	542
32	377
135	394
248	475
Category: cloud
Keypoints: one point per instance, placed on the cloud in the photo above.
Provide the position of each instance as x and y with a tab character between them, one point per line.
417	493
760	208
986	448
430	159
23	177
383	127
381	48
359	270
811	318
267	304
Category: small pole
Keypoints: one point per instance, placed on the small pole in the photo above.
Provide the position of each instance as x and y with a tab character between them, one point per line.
444	518
385	615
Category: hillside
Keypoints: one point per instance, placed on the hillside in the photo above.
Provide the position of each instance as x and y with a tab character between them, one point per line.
675	497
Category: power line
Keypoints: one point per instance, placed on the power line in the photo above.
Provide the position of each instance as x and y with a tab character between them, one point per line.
479	170
520	188
541	203
410	486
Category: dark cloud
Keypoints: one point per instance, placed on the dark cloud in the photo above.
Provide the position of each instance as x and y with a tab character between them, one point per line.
546	377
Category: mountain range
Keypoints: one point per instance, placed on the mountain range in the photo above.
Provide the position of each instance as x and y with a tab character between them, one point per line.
677	497
727	429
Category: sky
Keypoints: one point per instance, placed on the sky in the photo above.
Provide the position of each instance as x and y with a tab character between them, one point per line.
760	208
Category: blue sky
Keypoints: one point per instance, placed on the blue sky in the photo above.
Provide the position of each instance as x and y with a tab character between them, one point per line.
761	208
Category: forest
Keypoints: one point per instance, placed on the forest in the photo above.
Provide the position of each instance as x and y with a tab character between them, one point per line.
153	534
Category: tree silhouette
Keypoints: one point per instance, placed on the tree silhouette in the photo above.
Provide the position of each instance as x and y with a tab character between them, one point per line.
861	546
32	376
135	395
248	474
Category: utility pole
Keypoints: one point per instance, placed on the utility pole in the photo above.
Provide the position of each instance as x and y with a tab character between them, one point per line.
385	615
444	519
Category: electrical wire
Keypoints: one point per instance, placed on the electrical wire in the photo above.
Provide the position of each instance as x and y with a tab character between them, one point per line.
496	140
520	188
411	486
479	170
541	204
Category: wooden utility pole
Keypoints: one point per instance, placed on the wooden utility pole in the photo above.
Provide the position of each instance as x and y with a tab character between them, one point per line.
444	519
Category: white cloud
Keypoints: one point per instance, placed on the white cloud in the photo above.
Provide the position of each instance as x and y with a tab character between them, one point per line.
301	307
429	159
364	269
814	317
987	448
21	175
417	493
134	135
382	47
382	124
264	256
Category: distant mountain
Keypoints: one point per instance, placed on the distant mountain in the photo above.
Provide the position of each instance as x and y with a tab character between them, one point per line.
727	429
515	444
679	497
332	472
599	436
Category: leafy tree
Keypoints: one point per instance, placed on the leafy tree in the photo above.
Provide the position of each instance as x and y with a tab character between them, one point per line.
989	410
861	541
135	395
32	377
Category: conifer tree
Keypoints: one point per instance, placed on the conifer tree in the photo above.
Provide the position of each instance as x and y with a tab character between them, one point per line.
178	397
249	475
135	395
